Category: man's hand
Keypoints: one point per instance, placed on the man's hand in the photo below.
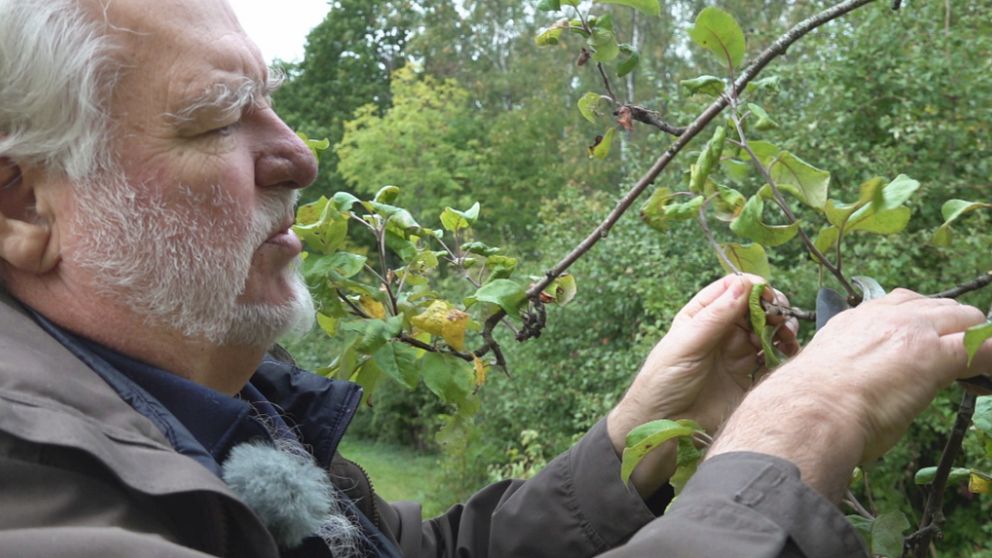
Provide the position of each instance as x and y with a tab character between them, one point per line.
852	393
700	370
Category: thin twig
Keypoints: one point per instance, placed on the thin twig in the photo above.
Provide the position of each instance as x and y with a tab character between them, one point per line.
414	342
653	118
933	512
776	49
790	216
381	234
973	285
852	500
354	307
788	311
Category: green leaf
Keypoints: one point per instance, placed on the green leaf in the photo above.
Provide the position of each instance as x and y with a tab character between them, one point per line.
704	85
387	194
838	213
587	106
628	65
974	336
727	202
480	248
602	149
687	461
549	5
927	475
659	211
336	266
603	44
368	376
501	267
765	151
326	232
650	7
646	437
708	158
562	290
395	216
801	179
344	201
889	221
750	226
450	378
764	122
826	238
551	35
317	147
738	171
862	525
718	32
399	361
374	333
748	258
454	220
770	82
509	295
886	534
759	323
982	418
895	193
952	210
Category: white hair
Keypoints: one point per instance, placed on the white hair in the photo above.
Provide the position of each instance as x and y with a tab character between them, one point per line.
56	74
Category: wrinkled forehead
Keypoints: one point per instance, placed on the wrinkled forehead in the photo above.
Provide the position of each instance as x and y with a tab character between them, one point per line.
172	48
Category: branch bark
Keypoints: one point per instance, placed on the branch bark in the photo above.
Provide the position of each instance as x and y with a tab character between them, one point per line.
973	285
918	542
776	49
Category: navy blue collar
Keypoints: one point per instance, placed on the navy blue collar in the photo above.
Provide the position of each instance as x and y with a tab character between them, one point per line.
203	423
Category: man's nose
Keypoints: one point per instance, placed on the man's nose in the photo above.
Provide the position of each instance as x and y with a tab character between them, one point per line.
285	161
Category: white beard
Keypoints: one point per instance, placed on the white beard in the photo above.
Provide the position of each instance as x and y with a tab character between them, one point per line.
178	268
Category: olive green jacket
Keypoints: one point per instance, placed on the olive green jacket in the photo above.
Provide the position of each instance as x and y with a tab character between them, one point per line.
82	474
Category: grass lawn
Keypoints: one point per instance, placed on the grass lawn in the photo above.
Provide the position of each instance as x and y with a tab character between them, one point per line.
397	472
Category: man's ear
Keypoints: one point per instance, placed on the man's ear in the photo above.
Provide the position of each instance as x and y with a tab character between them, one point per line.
29	239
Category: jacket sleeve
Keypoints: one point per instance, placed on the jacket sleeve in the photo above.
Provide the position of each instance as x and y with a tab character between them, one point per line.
747	504
576	507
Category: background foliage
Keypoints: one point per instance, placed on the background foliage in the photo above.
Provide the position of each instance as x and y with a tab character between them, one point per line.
455	103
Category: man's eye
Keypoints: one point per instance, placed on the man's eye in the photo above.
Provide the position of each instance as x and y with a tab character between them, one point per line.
225	131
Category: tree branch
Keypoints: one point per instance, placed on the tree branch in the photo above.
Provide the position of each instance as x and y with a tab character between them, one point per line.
776	49
789	311
653	118
918	542
973	285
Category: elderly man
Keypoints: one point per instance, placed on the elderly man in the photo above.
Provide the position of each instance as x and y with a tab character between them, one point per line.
146	195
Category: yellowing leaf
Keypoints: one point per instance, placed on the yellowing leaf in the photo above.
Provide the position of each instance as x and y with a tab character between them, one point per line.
480	371
443	320
979	483
372	307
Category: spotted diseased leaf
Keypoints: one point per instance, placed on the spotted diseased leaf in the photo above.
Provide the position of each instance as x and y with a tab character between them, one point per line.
399	361
631	61
886	534
443	320
951	211
455	220
759	323
646	437
718	32
704	85
763	122
974	336
748	258
507	294
708	158
749	225
650	7
588	104
600	149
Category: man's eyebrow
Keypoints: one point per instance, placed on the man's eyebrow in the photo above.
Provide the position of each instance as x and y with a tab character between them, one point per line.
231	99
